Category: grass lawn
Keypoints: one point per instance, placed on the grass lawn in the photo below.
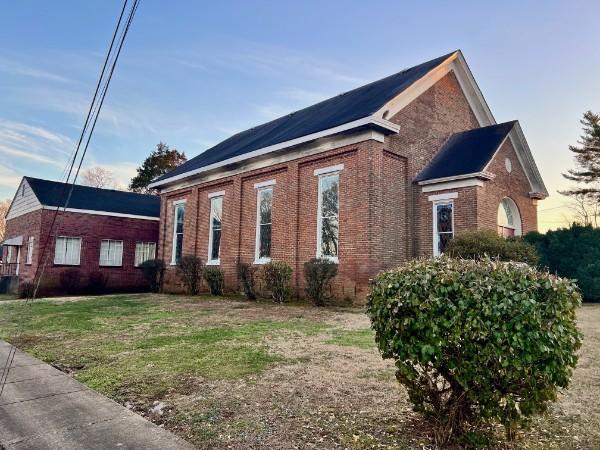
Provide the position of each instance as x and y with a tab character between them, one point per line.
235	374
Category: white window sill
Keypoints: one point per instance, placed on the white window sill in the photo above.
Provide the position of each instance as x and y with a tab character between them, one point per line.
262	261
214	262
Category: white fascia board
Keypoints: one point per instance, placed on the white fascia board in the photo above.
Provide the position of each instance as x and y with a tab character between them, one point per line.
101	213
264	184
365	121
468	182
517	138
483	175
445	196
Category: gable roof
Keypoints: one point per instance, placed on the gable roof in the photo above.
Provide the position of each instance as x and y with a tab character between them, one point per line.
351	106
53	194
467	152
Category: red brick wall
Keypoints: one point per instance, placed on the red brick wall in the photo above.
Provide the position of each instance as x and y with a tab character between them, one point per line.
91	229
514	185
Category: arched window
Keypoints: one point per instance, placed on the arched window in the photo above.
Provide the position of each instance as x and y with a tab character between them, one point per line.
509	219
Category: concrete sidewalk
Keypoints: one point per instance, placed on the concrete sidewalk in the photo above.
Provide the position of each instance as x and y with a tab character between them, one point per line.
43	408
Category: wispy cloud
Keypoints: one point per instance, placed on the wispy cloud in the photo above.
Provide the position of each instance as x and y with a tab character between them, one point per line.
33	156
9	178
18	68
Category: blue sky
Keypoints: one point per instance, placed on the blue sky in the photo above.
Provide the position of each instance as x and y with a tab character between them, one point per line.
193	73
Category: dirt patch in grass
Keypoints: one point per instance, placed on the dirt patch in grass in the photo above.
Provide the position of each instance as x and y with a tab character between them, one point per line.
231	374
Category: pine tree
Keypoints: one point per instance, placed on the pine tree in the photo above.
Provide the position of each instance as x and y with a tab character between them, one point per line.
587	160
160	161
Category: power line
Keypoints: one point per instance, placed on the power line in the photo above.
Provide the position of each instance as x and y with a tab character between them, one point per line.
92	117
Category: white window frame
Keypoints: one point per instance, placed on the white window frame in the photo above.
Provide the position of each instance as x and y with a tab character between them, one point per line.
29	255
113	245
260	188
145	251
321	174
176	205
66	238
436	203
214	196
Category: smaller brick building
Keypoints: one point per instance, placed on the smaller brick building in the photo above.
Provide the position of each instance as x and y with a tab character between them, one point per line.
100	230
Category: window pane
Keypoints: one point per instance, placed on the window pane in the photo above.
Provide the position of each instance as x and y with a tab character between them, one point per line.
59	251
329	236
265	241
216	243
216	210
178	246
266	205
104	253
180	211
329	195
443	240
444	218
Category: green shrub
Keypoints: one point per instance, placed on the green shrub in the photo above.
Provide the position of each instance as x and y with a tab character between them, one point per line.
247	274
278	279
97	282
70	281
154	273
476	341
476	244
26	289
573	253
318	273
189	269
214	277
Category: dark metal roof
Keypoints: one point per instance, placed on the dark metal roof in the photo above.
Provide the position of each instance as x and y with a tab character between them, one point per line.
53	193
466	152
344	108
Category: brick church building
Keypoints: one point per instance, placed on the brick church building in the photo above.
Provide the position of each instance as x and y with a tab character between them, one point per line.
369	179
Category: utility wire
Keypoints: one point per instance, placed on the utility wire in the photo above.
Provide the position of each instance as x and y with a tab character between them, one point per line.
92	117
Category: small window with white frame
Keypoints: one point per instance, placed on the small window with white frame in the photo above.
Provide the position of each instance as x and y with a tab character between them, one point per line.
111	253
178	219
67	251
328	214
443	225
29	256
215	229
264	217
144	251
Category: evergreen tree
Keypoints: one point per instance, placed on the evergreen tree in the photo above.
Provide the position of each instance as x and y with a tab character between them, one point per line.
587	160
161	160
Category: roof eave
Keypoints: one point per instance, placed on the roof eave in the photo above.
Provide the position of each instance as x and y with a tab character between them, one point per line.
372	121
480	175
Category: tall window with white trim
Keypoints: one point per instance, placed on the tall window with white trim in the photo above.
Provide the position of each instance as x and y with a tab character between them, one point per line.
264	209
111	253
328	216
178	232
214	237
29	256
443	225
67	251
144	251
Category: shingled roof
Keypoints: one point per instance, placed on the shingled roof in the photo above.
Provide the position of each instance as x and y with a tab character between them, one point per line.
356	104
53	194
467	152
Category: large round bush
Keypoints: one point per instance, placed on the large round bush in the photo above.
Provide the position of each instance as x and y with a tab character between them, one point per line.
476	341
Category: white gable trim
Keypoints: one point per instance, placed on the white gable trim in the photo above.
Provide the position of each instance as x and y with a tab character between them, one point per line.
455	63
101	213
365	121
517	138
